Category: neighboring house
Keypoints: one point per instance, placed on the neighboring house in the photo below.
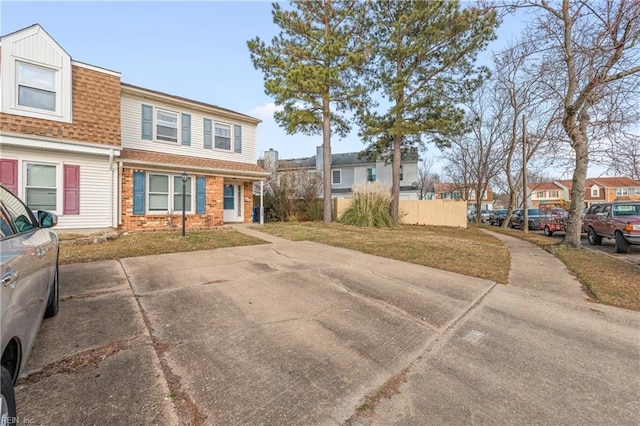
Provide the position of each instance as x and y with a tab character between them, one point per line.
105	154
347	171
59	131
452	191
604	189
545	194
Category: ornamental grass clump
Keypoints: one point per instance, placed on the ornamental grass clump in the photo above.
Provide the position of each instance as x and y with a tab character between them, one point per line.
370	206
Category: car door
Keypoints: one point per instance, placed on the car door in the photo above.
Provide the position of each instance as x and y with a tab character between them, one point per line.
23	287
605	223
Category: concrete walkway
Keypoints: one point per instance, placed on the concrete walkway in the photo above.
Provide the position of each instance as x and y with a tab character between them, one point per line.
253	230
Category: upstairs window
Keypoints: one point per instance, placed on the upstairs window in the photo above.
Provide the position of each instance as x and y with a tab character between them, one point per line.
36	87
371	175
336	177
223	136
541	194
553	194
622	192
166	126
595	192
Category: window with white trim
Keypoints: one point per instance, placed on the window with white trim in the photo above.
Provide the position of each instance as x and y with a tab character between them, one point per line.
636	191
336	177
541	194
223	136
36	87
622	192
166	125
595	191
164	193
371	174
553	194
41	186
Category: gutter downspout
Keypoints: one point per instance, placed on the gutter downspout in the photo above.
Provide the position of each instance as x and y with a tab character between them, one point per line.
261	202
119	192
111	200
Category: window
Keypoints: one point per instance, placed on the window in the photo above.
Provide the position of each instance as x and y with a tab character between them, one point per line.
158	193
622	191
541	194
336	177
166	126
553	194
636	191
595	191
161	186
40	191
36	87
223	136
228	197
371	175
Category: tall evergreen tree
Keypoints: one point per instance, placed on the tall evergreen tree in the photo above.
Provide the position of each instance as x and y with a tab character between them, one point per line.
311	68
423	64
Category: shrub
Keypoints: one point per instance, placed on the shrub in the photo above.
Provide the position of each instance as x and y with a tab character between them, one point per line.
370	206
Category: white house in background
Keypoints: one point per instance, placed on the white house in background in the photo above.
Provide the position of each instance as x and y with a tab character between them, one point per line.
347	170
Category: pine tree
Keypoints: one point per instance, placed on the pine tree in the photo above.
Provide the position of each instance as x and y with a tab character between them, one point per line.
311	69
423	65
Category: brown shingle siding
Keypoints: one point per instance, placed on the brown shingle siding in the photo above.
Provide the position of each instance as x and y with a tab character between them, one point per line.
95	112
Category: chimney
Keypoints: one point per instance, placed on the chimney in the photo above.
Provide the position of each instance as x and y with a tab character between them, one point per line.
271	161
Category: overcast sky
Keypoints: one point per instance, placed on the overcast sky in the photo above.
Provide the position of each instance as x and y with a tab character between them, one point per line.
196	50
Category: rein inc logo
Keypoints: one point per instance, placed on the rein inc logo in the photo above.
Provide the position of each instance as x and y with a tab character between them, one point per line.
18	421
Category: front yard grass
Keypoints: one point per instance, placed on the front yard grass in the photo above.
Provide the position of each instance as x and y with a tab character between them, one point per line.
464	251
148	243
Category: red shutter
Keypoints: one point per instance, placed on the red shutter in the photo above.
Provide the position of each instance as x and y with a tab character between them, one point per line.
9	172
71	189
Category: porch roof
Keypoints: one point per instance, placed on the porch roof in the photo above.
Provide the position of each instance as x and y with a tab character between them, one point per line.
157	160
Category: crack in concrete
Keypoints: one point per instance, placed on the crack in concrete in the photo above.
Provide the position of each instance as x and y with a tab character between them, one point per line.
186	408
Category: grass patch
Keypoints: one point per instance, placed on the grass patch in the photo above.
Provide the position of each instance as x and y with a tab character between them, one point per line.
149	243
464	251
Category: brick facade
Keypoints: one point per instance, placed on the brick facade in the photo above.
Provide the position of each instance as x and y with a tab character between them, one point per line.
95	110
213	216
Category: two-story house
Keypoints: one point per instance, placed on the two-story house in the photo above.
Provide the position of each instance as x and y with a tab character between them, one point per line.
348	170
604	189
545	194
59	131
105	154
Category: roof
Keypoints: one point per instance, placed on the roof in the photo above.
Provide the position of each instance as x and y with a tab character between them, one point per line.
543	186
149	159
615	182
340	159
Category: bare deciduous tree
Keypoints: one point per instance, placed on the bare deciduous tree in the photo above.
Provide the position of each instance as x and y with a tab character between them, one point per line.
592	55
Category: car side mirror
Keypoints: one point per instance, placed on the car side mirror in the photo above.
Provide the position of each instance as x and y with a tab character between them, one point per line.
47	219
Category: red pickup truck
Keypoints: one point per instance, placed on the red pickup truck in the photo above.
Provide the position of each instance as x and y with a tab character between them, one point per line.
619	220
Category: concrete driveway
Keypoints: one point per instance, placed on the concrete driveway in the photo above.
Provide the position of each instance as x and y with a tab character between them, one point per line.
302	333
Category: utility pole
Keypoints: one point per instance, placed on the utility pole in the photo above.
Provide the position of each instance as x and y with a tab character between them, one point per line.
525	213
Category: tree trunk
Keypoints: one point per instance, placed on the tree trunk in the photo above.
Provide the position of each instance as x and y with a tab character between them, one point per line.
574	224
395	185
326	161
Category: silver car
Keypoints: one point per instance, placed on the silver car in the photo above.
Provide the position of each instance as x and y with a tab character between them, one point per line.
29	288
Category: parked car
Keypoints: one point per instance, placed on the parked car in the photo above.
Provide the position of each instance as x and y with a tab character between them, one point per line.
535	218
484	216
619	221
497	217
29	290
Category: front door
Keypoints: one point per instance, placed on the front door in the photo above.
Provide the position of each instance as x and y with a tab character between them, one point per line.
233	203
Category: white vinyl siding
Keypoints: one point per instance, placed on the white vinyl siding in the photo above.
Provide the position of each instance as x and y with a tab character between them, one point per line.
97	184
131	125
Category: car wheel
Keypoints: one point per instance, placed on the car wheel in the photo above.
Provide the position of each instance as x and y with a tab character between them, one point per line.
593	238
548	232
622	245
8	400
54	301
